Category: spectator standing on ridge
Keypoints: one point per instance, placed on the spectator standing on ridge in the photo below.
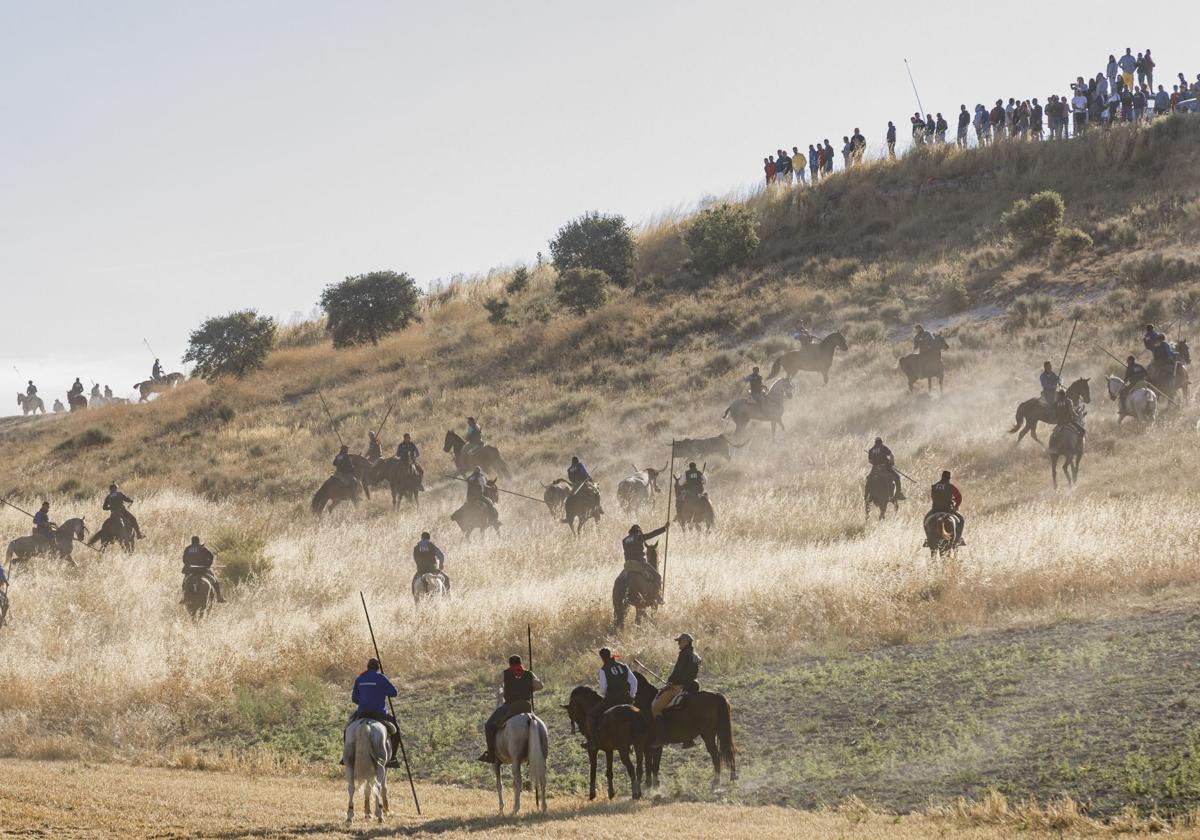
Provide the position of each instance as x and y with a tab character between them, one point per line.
996	118
1079	109
1162	102
847	151
1128	64
918	128
1035	120
860	145
983	131
1110	71
798	164
783	165
1149	65
814	163
1139	104
930	128
769	170
939	128
964	123
891	139
828	157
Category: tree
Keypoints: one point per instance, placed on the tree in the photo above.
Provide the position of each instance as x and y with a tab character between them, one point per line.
596	241
519	280
230	345
497	309
369	306
721	238
582	289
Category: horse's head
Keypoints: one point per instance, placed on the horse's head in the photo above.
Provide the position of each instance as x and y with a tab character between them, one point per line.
835	340
1080	391
580	703
941	342
492	491
1181	347
652	554
1114	386
452	443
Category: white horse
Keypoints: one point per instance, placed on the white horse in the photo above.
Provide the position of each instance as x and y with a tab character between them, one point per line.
365	753
1140	403
522	739
428	586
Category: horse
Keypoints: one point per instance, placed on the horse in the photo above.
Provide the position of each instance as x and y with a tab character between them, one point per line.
474	516
638	490
620	729
817	358
429	586
61	542
1140	403
487	458
198	595
1066	442
693	509
698	448
1174	380
582	505
3	607
1034	411
704	714
523	739
366	752
116	529
555	495
333	492
927	366
156	386
30	405
635	591
879	489
769	409
402	477
78	402
942	532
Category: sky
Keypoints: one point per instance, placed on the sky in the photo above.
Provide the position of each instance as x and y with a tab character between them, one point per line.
165	161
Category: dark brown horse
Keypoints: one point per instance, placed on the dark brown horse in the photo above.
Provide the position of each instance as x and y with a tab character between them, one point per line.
555	495
879	490
116	529
942	533
333	492
78	402
693	510
634	590
1034	411
621	730
198	595
582	505
705	715
156	386
402	478
487	458
817	358
475	516
927	366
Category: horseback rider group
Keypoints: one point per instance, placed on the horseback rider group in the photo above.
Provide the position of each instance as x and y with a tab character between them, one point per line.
1050	384
42	526
473	439
156	371
880	457
429	559
577	474
803	334
374	450
31	389
343	467
923	340
198	561
693	481
116	503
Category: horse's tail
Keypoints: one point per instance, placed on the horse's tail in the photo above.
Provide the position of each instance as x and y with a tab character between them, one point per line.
1020	420
538	749
502	468
318	500
775	367
726	414
364	763
725	735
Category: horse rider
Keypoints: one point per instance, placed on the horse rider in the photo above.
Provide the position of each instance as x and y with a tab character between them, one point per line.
1049	381
946	498
1135	373
1156	342
76	389
95	393
577	474
633	545
803	334
156	371
474	436
374	450
880	456
343	466
58	406
407	449
31	389
107	393
115	502
693	481
682	680
371	692
515	687
198	560
618	687
42	526
477	492
756	385
923	340
429	559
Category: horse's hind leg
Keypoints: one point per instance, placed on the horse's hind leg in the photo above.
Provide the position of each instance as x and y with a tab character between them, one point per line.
1054	470
633	781
608	771
349	760
710	742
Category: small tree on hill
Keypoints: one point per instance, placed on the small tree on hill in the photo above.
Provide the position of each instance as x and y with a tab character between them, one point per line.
596	241
230	345
721	238
497	309
369	306
1035	221
582	289
519	280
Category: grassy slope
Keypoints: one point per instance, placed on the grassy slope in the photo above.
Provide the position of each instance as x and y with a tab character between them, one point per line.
793	571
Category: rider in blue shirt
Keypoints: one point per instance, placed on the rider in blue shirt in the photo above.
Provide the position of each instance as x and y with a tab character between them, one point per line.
371	692
577	473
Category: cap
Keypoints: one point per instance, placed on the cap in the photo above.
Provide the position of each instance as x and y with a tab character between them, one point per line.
685	637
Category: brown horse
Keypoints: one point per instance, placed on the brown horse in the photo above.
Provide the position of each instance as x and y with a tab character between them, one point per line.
942	533
634	590
768	410
879	490
621	729
582	505
927	366
198	595
692	510
487	458
78	402
817	358
333	492
116	529
402	477
555	495
474	516
1034	411
704	714
156	386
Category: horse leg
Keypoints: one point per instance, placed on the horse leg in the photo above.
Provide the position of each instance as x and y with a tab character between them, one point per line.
517	783
349	761
639	757
1054	470
499	787
710	742
608	770
633	784
592	764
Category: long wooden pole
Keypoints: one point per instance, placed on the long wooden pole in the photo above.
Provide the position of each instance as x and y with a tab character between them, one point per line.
392	706
667	545
501	489
1068	350
529	640
1147	382
330	416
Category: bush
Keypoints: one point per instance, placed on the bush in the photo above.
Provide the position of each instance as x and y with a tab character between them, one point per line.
369	306
87	439
1156	270
519	280
230	345
952	297
1034	221
1070	244
301	334
595	241
241	558
497	309
582	289
721	238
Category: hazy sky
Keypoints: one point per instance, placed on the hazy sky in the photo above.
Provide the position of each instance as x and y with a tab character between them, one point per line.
164	161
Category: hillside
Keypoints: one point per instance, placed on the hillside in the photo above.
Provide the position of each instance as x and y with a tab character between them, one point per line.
793	581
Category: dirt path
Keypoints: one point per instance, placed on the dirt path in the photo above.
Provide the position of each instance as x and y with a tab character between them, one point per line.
54	800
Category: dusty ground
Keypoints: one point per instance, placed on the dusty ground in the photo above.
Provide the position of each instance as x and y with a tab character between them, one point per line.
107	801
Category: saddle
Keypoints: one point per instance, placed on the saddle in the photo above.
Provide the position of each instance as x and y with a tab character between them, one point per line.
517	707
681	699
375	716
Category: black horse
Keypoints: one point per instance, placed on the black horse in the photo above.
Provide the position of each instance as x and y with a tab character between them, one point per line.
879	490
927	366
1034	411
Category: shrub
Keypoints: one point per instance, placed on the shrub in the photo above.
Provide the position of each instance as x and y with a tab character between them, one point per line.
241	558
1034	221
519	280
595	241
369	306
582	289
721	238
497	309
87	439
1070	244
1157	270
952	296
230	345
300	334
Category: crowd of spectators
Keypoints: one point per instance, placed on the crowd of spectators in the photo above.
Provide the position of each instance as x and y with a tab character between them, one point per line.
1124	92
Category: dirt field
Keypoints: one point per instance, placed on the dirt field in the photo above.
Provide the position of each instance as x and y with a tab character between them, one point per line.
107	801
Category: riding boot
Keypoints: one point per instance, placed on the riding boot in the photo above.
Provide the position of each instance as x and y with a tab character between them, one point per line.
489	734
394	743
